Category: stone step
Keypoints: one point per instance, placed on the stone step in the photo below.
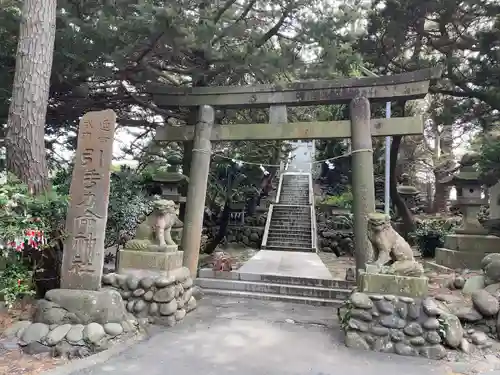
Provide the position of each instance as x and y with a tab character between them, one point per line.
277	279
283	245
288	207
291	230
284	237
294	219
289	234
291	227
286	244
275	297
271	288
290	223
278	247
292	215
289	220
291	208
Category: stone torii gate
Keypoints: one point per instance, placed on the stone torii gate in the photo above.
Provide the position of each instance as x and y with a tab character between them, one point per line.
361	128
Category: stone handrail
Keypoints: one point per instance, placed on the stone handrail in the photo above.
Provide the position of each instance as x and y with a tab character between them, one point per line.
278	193
314	237
268	224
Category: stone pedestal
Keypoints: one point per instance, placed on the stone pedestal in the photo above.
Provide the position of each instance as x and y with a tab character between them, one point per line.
466	250
380	283
162	262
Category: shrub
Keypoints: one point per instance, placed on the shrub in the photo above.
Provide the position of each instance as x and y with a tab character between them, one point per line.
430	234
343	200
128	204
30	234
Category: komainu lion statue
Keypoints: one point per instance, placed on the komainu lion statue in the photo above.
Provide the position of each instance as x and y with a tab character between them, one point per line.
154	234
393	254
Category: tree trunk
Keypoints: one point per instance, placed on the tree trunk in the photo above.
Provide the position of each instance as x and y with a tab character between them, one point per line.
441	196
397	201
221	234
25	134
444	153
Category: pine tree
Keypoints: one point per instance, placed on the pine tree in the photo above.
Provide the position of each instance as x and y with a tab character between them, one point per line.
24	138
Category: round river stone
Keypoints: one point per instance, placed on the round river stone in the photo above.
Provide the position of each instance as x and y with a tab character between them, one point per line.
361	300
113	329
146	282
35	332
164	281
132	282
165	294
168	308
57	334
485	303
93	332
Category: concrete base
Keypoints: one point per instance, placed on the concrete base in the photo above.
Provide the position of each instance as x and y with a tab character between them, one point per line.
473	243
465	251
460	259
148	260
287	263
392	284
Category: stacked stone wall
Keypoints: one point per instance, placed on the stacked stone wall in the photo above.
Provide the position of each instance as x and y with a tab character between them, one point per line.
429	327
78	323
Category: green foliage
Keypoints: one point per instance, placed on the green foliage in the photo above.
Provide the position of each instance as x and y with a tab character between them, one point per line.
430	234
343	200
29	228
443	326
16	282
405	35
128	204
20	211
344	314
489	158
232	182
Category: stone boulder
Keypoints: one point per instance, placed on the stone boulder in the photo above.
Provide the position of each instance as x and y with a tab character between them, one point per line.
492	272
485	303
80	307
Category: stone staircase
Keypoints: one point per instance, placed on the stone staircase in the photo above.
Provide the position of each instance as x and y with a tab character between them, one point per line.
294	189
291	222
310	291
292	273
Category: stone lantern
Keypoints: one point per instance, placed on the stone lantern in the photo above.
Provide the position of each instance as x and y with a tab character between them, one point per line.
408	193
465	248
469	195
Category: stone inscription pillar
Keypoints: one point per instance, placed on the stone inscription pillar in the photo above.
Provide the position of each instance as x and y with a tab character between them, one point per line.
83	256
363	188
197	189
